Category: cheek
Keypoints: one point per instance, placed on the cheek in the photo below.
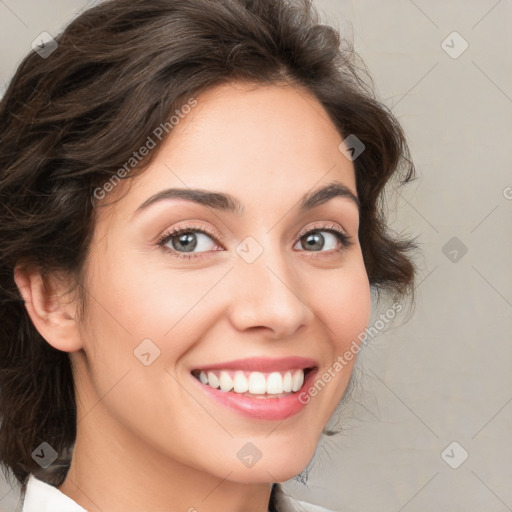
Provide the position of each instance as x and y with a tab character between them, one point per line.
134	298
139	297
342	301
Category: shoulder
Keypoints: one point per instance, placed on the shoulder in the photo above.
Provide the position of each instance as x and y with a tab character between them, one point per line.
42	497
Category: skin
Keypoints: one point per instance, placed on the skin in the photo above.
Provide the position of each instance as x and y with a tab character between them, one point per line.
146	440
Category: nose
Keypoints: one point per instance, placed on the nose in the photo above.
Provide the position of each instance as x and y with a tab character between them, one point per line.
268	295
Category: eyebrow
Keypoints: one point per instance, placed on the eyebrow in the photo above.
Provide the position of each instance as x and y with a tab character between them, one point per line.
225	202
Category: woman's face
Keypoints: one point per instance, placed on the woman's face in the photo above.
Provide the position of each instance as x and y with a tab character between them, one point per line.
267	287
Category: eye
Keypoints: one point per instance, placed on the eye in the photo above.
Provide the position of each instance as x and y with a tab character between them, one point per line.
185	240
193	242
322	239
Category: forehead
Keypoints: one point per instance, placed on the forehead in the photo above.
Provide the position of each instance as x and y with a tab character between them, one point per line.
262	144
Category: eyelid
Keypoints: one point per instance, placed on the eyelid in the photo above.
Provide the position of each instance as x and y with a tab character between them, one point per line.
217	237
321	227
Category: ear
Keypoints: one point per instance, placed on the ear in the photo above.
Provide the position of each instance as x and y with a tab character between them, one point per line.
51	310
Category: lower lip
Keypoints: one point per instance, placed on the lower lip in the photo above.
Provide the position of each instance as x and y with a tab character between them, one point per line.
262	408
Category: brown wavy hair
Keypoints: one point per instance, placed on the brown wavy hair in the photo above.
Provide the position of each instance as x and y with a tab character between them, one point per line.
68	122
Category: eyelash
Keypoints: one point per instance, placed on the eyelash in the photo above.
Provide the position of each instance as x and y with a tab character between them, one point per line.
344	239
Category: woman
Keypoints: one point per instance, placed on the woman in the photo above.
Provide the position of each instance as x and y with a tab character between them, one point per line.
191	227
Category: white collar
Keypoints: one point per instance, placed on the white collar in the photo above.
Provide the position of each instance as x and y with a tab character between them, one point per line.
43	497
287	503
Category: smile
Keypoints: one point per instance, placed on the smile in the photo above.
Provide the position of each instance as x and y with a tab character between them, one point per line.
258	388
256	384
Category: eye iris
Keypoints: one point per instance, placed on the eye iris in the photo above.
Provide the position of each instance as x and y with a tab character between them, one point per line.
314	241
188	240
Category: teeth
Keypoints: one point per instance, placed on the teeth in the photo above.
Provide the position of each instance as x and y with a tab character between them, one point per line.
213	380
256	383
297	380
274	383
226	382
287	382
240	383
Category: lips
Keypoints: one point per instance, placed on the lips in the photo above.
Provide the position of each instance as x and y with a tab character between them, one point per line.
262	364
262	388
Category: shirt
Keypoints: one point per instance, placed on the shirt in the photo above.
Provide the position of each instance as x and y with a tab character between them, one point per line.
42	497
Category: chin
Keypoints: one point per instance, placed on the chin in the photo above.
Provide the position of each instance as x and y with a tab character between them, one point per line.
284	464
269	474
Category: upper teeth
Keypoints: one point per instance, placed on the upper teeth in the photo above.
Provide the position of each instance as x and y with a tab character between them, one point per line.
256	383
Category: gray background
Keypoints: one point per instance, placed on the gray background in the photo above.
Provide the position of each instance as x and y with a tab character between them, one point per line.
443	373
